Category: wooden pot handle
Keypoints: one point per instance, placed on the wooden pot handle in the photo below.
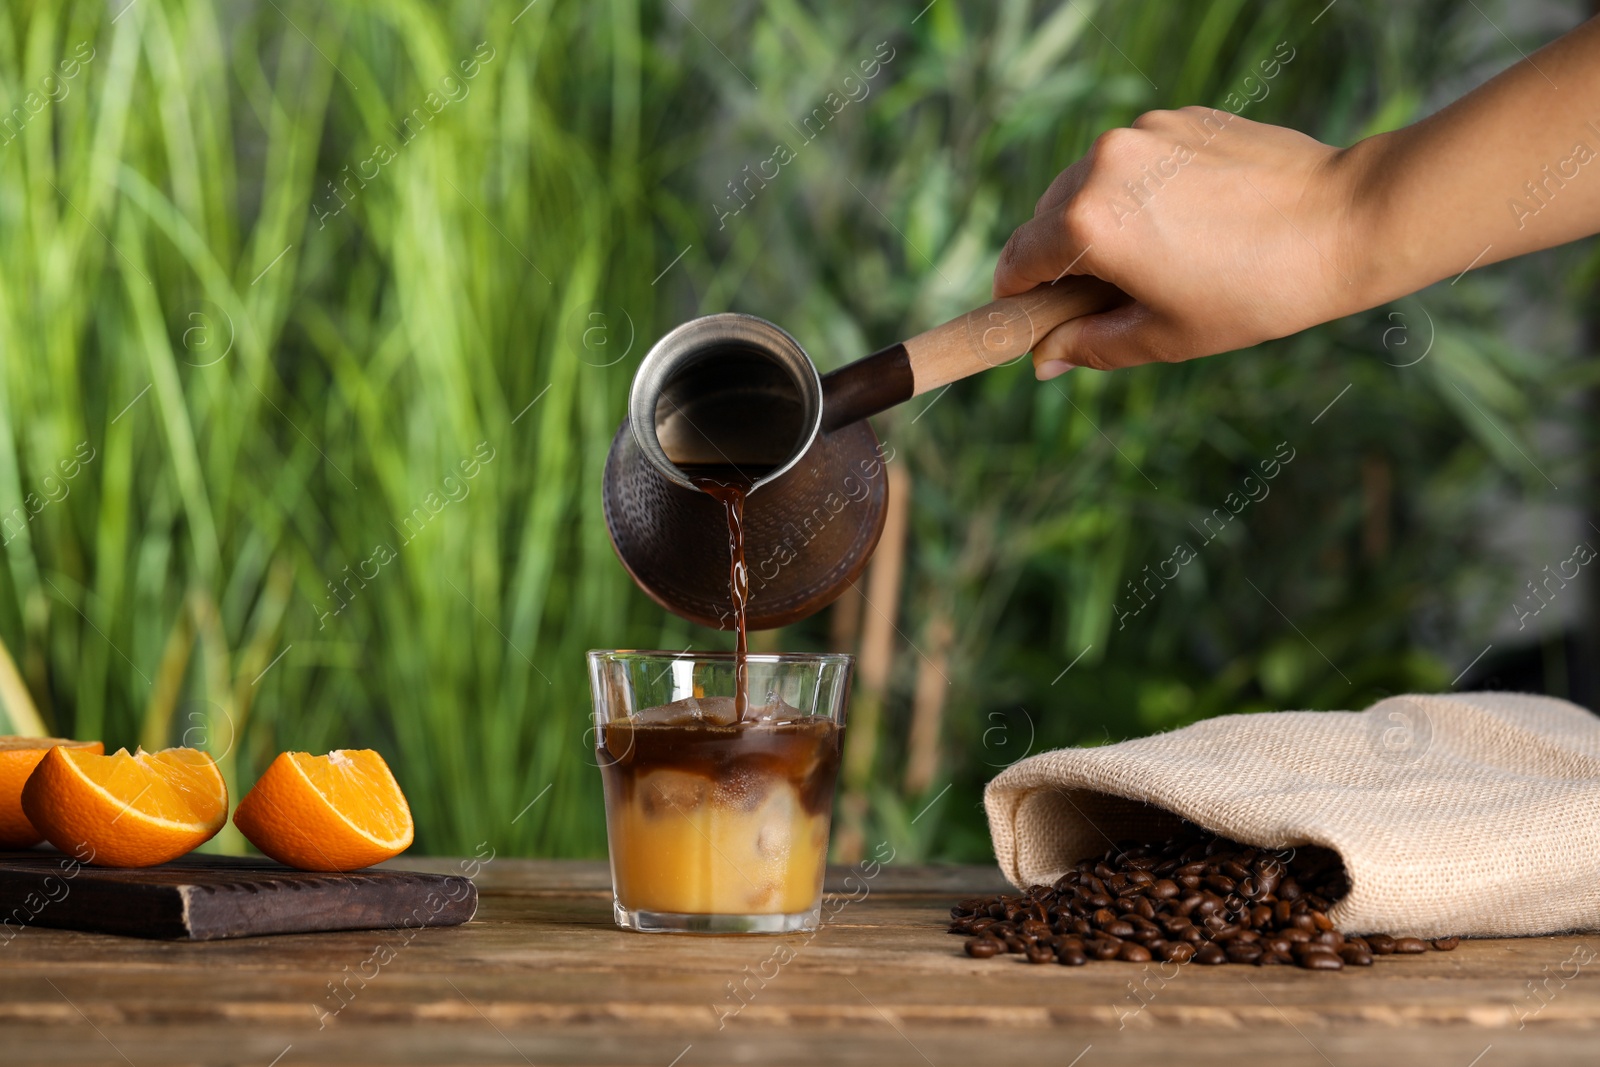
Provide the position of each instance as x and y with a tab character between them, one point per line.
1002	331
991	336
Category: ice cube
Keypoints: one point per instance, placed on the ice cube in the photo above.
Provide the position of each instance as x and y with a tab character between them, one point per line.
718	711
617	741
776	818
743	788
774	840
775	710
664	792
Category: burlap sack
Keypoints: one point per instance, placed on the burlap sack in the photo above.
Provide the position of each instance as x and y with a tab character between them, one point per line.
1473	813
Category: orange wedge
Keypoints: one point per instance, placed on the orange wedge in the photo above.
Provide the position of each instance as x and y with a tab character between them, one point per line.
18	757
338	812
126	811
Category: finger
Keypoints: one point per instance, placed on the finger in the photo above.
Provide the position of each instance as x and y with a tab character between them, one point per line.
1125	336
1064	188
1040	251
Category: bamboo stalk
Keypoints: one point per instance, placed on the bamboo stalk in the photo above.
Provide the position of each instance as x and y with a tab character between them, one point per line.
844	621
220	733
155	731
25	720
874	666
927	705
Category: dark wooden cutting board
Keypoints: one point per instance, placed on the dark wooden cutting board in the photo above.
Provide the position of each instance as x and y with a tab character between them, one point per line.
202	898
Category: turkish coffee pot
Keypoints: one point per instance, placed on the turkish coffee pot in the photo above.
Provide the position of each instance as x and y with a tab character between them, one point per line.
735	394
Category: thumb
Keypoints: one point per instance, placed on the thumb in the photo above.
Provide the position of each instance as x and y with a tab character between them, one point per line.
1125	336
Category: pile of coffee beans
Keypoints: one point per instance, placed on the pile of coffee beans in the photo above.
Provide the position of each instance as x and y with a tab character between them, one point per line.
1194	897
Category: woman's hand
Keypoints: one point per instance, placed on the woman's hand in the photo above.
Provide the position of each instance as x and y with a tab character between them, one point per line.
1224	232
1221	231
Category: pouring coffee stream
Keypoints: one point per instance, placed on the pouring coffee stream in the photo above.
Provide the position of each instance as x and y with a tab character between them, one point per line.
730	486
729	408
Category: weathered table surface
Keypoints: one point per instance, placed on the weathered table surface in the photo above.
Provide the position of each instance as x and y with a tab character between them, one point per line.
542	976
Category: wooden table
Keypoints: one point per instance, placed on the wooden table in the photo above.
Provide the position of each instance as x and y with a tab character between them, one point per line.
542	976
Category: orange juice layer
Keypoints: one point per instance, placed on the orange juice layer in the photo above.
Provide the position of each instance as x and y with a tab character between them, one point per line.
676	848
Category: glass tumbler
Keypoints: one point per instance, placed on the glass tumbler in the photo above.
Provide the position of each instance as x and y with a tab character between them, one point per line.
718	823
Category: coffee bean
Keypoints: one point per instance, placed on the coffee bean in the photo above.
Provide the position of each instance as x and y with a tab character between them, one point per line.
1355	955
1072	957
1102	949
1120	929
1165	889
1104	917
1380	944
1233	870
1176	952
1321	961
1408	945
1133	952
1041	954
1446	944
1312	948
1210	953
982	947
1242	952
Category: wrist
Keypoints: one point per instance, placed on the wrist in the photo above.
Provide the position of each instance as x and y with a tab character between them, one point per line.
1381	251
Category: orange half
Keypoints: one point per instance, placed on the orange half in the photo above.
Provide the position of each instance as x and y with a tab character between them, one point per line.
18	757
126	811
338	812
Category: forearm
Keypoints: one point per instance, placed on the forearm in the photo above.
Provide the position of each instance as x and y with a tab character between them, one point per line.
1510	168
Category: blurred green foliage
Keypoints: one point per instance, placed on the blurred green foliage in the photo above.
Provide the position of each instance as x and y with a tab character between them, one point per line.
344	299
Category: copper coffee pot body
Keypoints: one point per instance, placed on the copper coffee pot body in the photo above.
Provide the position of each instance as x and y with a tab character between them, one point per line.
737	394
